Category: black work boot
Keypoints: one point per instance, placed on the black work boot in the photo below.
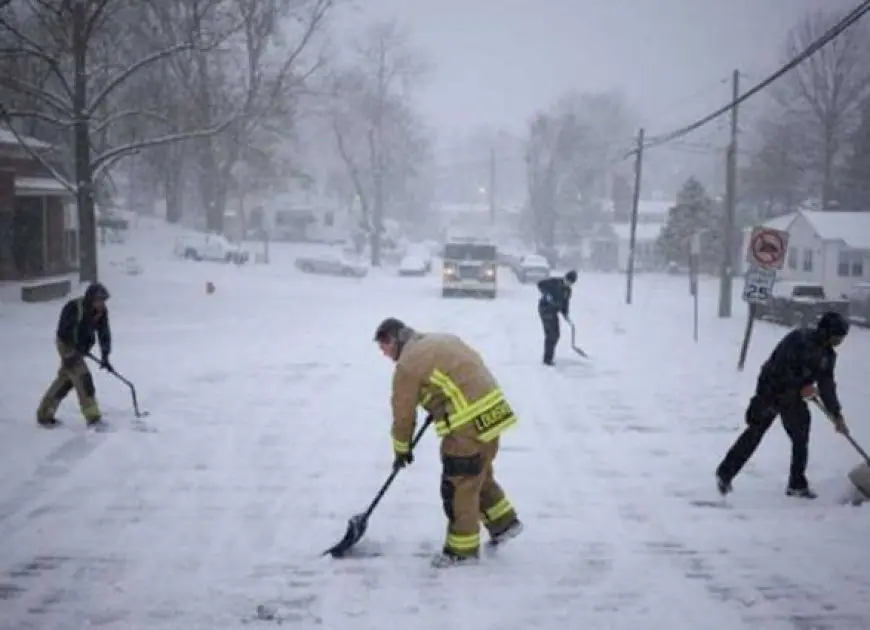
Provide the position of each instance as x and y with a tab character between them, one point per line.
801	493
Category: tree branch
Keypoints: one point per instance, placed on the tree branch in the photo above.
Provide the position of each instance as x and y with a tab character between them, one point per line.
99	161
4	116
95	17
125	74
25	87
13	113
35	50
129	113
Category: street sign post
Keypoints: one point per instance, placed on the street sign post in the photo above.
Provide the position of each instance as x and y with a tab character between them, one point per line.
766	254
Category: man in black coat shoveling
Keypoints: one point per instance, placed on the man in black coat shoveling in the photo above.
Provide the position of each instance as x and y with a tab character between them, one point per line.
555	300
800	367
83	322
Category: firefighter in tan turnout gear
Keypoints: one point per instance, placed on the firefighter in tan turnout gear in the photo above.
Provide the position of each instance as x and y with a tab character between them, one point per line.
449	380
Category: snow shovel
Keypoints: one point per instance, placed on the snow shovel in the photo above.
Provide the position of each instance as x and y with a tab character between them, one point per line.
574	345
356	526
860	475
139	424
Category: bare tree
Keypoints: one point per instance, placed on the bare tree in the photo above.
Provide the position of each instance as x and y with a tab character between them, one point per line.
260	73
569	152
63	38
773	181
376	132
827	91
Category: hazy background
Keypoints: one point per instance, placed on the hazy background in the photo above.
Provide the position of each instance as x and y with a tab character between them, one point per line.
497	61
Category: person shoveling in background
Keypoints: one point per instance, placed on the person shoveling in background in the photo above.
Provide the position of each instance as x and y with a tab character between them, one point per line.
555	300
801	367
83	321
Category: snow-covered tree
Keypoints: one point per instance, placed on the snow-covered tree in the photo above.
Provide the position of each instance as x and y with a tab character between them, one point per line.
693	213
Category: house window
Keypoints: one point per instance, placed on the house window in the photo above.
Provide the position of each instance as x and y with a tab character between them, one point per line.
808	260
792	258
329	219
850	263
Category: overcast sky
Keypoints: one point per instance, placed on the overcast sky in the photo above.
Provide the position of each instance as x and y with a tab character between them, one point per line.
497	61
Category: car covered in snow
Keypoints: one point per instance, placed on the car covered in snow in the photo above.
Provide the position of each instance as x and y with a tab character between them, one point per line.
532	268
415	264
213	247
332	264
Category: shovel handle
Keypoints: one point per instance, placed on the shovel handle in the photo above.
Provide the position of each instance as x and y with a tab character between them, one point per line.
389	481
848	437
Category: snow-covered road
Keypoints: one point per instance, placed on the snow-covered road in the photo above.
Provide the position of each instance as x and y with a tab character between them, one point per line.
271	405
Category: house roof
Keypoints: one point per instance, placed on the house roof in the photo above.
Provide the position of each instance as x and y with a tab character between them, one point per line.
853	228
654	207
8	138
39	186
645	231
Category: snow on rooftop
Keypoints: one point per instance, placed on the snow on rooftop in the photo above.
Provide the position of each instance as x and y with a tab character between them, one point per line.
645	231
8	138
853	228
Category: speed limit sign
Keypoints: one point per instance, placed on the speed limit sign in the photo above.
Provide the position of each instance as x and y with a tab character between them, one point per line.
759	285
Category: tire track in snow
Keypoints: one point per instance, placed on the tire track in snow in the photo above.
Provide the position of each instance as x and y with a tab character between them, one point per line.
638	586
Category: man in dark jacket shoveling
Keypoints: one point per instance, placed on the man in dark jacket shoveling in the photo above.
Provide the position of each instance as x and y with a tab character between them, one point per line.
800	367
555	300
83	322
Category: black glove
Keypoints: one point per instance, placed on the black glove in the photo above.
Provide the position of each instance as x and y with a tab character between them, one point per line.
402	460
104	363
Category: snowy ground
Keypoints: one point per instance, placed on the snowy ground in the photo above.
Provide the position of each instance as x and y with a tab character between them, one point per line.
270	401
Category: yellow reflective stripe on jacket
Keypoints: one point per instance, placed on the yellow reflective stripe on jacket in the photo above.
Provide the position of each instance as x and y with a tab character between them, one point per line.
462	411
489	436
401	447
426	398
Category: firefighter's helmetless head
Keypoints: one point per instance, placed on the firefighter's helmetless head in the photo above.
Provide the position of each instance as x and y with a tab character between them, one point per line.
390	336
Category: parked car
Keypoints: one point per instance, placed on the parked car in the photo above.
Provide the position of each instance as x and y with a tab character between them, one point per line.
214	247
859	304
415	265
799	303
532	268
331	264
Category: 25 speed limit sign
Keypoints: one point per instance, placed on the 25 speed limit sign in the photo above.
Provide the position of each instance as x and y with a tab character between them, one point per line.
759	285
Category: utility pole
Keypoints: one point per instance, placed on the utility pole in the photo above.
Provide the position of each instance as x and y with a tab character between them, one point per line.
727	270
638	171
491	188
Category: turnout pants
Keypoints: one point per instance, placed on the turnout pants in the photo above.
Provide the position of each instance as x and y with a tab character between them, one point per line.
73	374
760	415
470	494
550	321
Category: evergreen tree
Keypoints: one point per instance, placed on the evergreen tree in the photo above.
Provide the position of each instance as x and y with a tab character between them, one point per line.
694	212
856	180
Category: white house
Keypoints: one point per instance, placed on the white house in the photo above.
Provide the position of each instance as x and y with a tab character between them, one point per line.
301	217
611	245
827	248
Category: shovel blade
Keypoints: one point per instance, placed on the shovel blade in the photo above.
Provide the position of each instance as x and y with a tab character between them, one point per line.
860	478
356	529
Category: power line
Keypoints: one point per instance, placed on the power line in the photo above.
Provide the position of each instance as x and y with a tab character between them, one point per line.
850	19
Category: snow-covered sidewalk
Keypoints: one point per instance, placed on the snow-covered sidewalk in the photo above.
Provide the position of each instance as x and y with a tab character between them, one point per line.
271	404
